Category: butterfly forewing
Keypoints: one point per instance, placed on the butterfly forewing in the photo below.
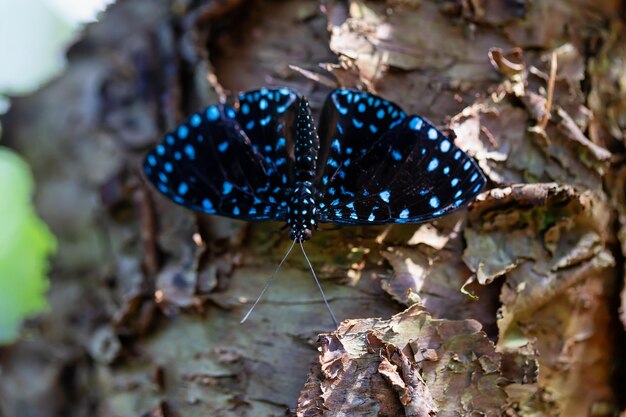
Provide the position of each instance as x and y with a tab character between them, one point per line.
267	117
208	164
350	123
412	173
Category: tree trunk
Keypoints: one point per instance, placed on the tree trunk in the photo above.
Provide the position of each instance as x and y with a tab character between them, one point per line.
509	308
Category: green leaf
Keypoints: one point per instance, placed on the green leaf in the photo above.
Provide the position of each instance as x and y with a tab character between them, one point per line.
25	244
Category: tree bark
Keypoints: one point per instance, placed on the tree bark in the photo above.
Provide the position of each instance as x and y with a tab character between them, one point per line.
512	307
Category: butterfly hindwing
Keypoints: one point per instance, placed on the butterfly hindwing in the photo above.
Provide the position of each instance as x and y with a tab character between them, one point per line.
350	123
413	173
208	164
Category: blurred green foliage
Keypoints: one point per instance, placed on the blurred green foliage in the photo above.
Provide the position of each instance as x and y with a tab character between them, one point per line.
25	245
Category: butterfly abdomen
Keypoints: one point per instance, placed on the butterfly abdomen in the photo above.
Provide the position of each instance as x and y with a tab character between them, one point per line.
307	143
302	211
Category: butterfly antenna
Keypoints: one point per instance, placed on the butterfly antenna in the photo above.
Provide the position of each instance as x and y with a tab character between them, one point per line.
320	287
267	285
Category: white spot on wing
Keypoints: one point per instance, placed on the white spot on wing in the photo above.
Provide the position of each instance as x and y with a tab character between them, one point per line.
416	123
432	133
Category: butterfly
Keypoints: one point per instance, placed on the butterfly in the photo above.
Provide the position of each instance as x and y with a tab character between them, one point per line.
366	163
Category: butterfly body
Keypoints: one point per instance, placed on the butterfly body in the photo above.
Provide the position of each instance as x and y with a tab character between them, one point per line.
366	163
302	210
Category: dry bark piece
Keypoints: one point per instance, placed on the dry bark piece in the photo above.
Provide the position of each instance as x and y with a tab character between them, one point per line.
398	370
607	98
618	186
310	403
561	150
510	151
510	63
262	56
440	62
548	242
409	365
506	124
409	273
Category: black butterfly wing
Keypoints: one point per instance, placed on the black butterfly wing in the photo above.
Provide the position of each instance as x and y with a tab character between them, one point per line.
267	116
208	164
351	121
413	173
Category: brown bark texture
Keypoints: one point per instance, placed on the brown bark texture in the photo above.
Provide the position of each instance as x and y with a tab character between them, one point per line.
513	307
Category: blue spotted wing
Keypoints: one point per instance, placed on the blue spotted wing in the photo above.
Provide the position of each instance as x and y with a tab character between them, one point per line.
351	121
411	173
210	164
267	117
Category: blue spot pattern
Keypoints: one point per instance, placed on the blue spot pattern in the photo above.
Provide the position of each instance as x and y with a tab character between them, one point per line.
401	169
367	162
